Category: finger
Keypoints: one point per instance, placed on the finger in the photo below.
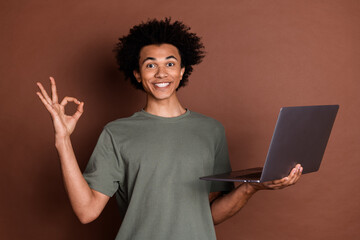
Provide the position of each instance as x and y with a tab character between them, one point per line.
53	90
79	111
274	184
295	174
298	171
69	99
286	181
279	181
298	175
47	105
44	93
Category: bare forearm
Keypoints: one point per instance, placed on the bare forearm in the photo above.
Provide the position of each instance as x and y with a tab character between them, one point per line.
80	194
227	205
87	203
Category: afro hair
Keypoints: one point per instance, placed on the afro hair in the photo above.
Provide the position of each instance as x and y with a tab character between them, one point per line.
158	32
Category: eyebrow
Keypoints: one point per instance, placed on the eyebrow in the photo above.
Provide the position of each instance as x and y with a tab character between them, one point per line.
151	58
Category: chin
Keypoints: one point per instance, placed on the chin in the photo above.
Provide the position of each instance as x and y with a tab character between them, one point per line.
163	96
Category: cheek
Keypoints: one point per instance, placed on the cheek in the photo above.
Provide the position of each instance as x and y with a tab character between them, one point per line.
176	73
146	76
146	86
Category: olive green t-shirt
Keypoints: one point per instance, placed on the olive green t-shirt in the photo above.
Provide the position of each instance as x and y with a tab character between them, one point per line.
153	165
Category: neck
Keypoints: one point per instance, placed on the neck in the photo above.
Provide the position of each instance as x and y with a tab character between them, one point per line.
164	108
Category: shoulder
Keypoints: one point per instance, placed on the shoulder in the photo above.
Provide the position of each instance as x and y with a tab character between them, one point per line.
123	123
207	122
206	119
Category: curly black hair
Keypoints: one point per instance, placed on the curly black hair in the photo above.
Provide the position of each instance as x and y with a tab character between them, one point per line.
157	32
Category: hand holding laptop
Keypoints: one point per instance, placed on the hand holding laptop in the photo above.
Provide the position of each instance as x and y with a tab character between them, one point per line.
225	206
293	177
300	138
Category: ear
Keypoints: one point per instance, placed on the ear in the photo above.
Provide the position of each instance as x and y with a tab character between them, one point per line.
182	71
137	75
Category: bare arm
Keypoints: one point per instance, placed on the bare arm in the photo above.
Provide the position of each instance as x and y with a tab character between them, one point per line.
86	202
225	206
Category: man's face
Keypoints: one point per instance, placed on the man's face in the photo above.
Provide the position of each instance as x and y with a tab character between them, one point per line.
160	71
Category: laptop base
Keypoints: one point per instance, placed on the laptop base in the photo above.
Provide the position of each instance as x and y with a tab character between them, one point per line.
246	175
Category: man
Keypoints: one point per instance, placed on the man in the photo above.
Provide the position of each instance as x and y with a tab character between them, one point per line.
152	160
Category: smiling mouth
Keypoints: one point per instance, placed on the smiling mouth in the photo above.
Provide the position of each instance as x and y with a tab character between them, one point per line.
162	85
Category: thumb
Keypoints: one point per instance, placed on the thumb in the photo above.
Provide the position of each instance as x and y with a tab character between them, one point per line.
79	111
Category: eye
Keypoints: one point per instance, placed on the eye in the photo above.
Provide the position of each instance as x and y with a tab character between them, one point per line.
170	64
150	65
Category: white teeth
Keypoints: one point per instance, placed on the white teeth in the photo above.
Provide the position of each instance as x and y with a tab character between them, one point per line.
162	84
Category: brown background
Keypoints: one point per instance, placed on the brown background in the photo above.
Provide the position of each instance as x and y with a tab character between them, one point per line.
261	55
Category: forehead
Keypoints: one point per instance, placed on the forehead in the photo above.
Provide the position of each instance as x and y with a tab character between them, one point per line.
159	51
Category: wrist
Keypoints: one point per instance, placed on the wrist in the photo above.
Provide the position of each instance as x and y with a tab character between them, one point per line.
246	190
61	141
251	188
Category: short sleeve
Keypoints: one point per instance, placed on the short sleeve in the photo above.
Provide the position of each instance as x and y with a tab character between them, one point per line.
221	165
104	171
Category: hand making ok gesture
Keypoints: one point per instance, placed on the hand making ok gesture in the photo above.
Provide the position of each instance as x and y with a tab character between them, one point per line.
64	124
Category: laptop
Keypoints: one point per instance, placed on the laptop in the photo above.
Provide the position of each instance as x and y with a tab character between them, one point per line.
300	136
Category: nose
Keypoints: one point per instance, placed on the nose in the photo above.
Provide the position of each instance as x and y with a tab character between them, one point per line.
161	72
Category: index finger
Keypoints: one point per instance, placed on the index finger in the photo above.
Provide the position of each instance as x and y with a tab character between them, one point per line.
53	90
